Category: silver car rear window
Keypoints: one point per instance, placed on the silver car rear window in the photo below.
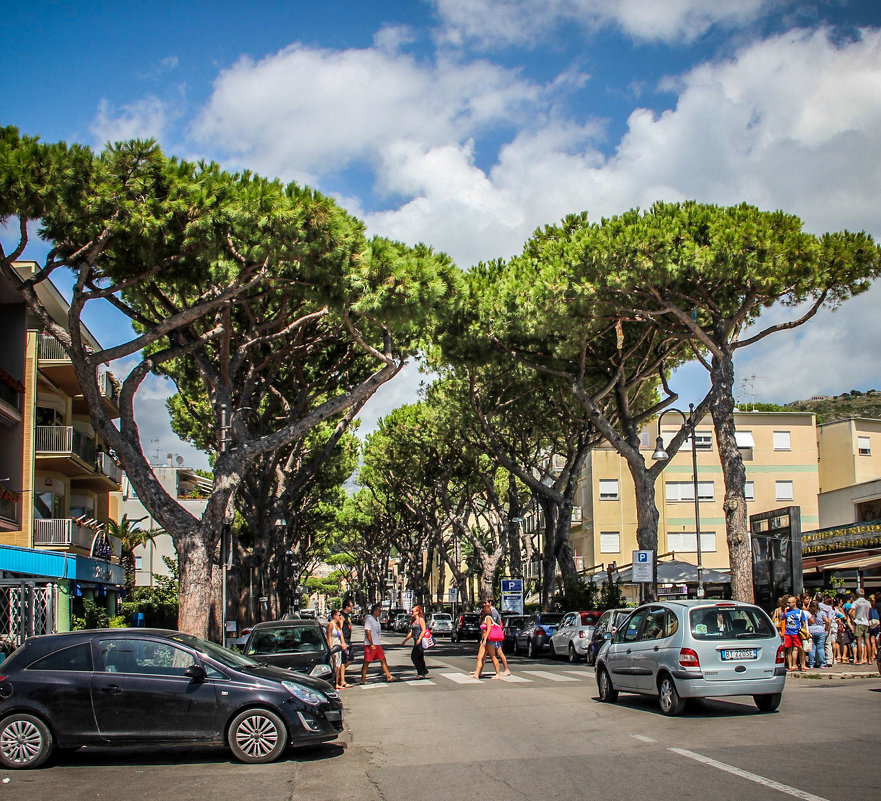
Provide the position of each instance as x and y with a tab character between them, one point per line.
722	623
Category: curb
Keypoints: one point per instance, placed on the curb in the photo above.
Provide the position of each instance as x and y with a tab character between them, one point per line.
817	674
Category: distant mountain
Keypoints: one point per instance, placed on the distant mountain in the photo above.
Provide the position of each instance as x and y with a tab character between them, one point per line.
829	408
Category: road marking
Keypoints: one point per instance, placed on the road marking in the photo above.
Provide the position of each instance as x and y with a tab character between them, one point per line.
417	682
643	738
580	673
373	686
745	774
460	678
514	679
542	674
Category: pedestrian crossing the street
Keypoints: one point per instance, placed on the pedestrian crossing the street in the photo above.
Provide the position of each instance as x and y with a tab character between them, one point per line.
454	677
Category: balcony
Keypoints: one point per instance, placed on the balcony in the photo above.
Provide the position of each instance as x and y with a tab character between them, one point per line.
57	366
62	533
64	449
107	476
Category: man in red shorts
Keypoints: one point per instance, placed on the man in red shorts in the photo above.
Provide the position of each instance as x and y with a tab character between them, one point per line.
795	620
372	648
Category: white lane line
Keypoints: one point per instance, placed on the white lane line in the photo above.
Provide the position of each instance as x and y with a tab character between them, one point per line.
753	777
373	686
543	674
460	678
643	738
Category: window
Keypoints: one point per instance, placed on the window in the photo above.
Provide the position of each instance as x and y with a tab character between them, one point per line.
77	657
749	490
658	625
744	439
784	490
610	542
686	541
684	491
703	441
608	489
634	623
139	563
864	446
146	657
782	441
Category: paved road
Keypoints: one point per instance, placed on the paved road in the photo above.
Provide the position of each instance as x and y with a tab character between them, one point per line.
539	735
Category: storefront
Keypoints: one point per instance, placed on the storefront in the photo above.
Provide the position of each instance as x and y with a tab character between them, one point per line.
851	554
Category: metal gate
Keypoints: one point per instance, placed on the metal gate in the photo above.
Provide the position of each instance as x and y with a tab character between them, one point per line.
26	609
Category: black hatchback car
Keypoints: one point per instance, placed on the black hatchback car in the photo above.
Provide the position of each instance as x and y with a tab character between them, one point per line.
114	686
299	645
467	628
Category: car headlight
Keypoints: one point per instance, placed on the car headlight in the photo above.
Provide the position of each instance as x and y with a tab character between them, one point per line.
306	695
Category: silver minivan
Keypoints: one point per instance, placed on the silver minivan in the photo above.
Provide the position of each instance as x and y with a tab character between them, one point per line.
694	649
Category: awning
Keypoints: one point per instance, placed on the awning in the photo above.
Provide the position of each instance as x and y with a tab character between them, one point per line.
744	439
674	571
862	563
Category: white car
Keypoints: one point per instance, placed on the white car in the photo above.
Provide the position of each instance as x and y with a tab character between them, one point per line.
573	635
441	623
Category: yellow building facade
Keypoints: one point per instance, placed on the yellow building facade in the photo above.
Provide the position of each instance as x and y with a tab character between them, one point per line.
780	454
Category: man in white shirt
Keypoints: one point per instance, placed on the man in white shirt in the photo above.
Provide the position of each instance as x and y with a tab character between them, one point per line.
859	613
372	644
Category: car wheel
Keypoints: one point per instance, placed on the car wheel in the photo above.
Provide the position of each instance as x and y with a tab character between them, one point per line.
530	649
573	654
608	694
768	703
668	697
257	735
25	742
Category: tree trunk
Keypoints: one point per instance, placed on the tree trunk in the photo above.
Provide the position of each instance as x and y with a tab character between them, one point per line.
197	613
734	473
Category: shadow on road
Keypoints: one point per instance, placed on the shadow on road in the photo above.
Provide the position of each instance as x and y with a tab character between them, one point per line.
117	756
694	707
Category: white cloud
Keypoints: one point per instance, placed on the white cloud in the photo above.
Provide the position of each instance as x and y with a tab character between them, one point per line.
303	112
492	24
146	119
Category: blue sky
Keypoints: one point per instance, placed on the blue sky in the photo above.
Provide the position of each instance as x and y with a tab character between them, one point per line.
469	123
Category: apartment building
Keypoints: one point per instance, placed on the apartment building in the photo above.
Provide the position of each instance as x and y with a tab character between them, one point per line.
58	474
191	491
780	455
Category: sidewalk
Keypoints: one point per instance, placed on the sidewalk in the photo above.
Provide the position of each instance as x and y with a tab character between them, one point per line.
869	671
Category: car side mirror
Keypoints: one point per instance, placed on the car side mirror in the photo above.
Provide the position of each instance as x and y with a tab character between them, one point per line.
337	649
196	673
607	635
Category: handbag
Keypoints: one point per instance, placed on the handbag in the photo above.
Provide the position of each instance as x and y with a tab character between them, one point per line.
496	633
427	640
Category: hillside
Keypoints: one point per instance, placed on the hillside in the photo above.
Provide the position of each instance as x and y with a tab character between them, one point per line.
831	408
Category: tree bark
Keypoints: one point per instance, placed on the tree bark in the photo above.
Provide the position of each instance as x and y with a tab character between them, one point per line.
734	473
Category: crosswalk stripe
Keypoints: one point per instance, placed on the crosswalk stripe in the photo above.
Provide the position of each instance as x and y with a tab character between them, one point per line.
419	681
514	679
542	674
582	674
460	678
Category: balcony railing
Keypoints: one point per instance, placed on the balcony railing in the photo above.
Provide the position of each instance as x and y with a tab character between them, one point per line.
64	440
107	388
109	468
51	349
62	532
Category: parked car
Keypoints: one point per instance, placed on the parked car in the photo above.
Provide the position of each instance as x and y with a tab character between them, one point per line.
441	623
535	636
388	617
467	627
113	686
402	622
299	645
694	649
308	613
511	624
573	634
610	621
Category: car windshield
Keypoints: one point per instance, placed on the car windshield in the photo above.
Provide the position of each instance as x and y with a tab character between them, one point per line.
442	617
470	618
218	653
286	640
730	623
549	618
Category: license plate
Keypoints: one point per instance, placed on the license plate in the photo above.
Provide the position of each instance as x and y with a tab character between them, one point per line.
739	653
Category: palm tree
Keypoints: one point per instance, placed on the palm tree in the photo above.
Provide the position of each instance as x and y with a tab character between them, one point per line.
129	533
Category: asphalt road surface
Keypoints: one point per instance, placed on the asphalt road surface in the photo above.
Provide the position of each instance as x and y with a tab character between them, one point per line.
539	735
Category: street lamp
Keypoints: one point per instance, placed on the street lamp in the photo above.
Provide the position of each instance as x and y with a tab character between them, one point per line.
661	455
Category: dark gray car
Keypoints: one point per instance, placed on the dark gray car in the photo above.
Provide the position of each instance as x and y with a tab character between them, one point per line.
299	645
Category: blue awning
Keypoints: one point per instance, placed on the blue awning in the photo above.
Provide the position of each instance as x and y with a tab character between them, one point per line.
59	565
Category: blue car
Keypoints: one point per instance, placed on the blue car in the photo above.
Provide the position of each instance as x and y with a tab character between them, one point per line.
535	636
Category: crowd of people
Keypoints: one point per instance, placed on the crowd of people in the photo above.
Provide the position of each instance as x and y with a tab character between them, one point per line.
821	630
339	633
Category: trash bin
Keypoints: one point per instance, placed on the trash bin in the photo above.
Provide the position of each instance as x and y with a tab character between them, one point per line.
138	619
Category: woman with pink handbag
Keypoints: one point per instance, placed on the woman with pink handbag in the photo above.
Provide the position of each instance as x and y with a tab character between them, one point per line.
493	636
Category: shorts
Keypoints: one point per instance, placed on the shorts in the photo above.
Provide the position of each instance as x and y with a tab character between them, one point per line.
792	641
373	653
860	630
494	643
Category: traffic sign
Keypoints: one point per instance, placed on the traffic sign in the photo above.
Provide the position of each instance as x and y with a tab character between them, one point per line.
512	585
643	564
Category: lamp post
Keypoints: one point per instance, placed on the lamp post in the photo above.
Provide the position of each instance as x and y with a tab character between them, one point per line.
661	455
